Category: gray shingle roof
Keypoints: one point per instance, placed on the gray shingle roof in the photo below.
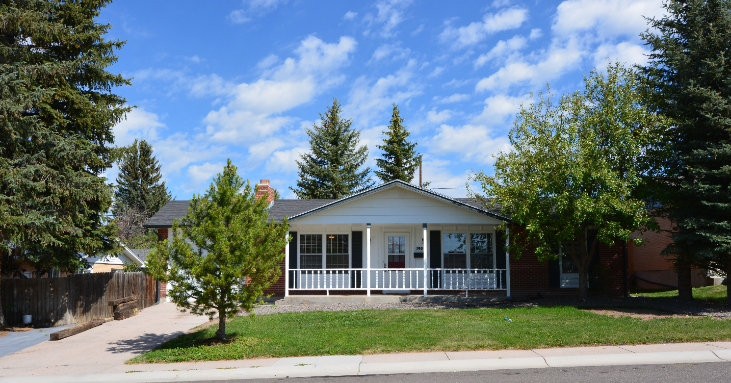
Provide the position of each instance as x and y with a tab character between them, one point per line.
280	208
171	211
141	253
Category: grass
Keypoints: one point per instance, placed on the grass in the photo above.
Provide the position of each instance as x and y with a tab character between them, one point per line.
384	331
708	293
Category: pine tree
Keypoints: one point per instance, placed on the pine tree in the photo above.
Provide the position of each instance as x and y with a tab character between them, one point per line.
228	253
139	184
690	73
400	160
57	112
333	169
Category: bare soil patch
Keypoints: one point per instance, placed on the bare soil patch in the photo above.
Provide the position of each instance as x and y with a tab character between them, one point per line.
7	330
636	312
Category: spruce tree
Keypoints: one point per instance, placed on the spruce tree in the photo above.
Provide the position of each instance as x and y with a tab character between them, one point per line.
689	70
400	160
58	111
333	169
139	184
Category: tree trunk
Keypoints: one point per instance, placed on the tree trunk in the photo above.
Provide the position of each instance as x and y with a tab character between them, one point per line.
685	286
583	281
2	314
221	333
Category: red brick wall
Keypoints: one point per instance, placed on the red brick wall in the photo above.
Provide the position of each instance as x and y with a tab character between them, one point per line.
163	290
162	233
263	189
647	257
277	289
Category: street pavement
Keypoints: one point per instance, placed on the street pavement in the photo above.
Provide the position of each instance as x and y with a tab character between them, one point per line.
710	353
16	341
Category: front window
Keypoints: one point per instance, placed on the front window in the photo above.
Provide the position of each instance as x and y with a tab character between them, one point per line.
481	251
455	252
310	251
336	251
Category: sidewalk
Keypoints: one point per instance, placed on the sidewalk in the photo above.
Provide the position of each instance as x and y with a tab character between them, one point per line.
402	363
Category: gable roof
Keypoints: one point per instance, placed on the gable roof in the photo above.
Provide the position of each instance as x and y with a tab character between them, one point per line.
466	203
298	208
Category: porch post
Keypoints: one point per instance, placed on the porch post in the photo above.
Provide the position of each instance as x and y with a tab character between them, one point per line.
286	266
368	258
507	259
426	261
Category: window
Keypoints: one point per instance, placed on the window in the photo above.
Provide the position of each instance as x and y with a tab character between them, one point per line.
481	251
569	270
310	251
455	256
336	248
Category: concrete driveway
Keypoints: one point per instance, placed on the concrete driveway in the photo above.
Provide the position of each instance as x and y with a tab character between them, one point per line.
102	348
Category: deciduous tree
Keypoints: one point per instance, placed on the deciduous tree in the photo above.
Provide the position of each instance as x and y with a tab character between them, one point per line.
573	169
226	253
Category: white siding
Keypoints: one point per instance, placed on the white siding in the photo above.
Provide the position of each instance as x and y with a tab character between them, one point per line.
397	205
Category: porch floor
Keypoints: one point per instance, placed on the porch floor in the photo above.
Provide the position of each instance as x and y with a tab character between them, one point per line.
385	298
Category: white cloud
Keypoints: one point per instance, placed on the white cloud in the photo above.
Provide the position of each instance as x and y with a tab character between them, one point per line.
609	18
199	174
137	124
499	107
491	23
391	51
194	59
390	15
436	72
469	142
350	15
535	33
441	177
501	50
555	62
457	97
252	112
254	8
367	99
285	160
267	62
624	52
438	117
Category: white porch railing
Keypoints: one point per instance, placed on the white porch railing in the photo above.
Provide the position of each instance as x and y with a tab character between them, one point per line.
397	279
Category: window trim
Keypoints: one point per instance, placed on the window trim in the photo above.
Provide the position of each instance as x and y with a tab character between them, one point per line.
323	251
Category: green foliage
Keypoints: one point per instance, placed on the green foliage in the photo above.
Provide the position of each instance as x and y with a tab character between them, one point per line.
139	182
574	168
690	73
58	111
400	160
389	331
224	241
332	169
132	267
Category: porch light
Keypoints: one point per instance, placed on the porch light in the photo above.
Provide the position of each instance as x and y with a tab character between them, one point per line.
331	237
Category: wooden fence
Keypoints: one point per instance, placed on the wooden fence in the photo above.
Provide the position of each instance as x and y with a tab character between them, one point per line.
77	298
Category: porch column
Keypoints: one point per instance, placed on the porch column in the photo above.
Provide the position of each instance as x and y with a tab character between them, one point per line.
426	261
286	265
368	258
507	259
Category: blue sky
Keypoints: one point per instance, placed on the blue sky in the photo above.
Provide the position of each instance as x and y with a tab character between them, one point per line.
243	79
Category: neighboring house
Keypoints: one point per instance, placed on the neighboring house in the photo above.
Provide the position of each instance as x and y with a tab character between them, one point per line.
651	270
111	263
400	238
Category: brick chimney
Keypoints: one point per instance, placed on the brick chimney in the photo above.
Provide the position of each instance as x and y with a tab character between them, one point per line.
263	188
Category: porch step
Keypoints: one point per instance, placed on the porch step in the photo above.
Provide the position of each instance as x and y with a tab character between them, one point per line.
378	298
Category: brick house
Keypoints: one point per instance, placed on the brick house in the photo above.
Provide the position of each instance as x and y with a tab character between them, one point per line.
400	238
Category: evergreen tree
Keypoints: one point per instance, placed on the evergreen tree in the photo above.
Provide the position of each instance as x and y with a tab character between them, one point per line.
333	168
139	184
57	112
690	72
400	160
228	252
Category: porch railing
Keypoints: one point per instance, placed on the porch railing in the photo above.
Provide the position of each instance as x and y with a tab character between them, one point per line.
397	279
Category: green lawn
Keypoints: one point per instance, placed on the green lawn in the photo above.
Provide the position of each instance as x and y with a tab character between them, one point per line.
709	293
384	331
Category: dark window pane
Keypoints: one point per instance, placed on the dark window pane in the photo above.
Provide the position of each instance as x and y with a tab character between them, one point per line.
336	247
455	261
481	251
568	265
455	256
311	251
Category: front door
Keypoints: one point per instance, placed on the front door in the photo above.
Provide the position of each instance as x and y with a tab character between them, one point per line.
396	251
